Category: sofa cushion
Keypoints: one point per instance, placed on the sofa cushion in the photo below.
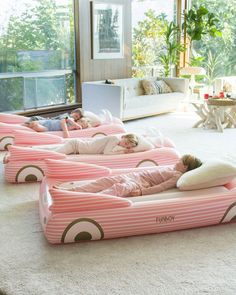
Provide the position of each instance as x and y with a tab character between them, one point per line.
155	87
131	86
144	105
153	101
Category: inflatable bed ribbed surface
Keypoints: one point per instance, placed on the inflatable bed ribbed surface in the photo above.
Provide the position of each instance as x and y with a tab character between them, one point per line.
11	124
28	164
68	216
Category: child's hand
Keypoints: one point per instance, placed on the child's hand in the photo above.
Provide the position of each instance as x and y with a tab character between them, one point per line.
128	151
5	159
135	193
56	187
78	127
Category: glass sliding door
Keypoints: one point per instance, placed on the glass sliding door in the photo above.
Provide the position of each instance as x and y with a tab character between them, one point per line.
36	54
217	55
149	22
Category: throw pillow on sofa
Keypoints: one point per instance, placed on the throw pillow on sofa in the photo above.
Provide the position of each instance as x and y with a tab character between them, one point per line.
155	87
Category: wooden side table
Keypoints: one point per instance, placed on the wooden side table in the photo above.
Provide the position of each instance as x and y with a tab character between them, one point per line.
220	113
201	110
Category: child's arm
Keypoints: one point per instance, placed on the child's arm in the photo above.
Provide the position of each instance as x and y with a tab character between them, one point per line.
64	128
128	151
168	184
89	125
118	150
121	150
114	149
74	125
111	146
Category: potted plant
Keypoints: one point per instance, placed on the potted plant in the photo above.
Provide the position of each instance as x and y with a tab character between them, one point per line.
199	22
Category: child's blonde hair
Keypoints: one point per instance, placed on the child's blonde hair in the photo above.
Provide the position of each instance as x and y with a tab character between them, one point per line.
132	138
191	162
78	111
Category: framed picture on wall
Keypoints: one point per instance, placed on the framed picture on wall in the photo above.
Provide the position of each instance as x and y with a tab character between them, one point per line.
107	30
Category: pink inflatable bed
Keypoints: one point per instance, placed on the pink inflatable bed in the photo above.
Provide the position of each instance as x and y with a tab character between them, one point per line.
27	164
9	124
68	216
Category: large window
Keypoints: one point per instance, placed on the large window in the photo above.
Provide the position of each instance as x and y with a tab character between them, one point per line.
36	54
218	55
150	19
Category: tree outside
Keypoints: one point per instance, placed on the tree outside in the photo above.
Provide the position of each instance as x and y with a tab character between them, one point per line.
148	42
38	38
218	55
151	19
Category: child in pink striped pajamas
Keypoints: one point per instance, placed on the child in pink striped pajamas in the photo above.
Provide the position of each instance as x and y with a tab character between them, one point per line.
142	182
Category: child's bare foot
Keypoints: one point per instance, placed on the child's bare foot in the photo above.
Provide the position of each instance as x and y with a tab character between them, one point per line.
63	188
6	159
56	187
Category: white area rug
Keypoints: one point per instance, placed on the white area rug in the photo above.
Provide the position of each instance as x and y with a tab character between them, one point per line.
198	261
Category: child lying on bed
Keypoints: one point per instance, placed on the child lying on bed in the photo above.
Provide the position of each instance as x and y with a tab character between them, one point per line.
75	114
141	182
64	125
111	144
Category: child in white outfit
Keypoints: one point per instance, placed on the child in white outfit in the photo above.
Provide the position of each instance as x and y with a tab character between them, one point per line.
110	144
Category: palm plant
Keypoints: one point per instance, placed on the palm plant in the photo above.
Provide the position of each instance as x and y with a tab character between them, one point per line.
172	48
211	64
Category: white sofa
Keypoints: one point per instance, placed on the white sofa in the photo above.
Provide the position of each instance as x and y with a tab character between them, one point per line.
126	100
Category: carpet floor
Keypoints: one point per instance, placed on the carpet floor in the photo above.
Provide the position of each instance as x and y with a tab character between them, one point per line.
191	262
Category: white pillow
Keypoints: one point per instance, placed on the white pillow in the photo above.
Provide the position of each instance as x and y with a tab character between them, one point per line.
143	145
211	173
160	141
94	119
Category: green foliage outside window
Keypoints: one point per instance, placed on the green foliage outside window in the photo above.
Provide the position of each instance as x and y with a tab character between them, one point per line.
41	38
218	54
148	41
155	44
35	29
13	90
214	51
200	22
